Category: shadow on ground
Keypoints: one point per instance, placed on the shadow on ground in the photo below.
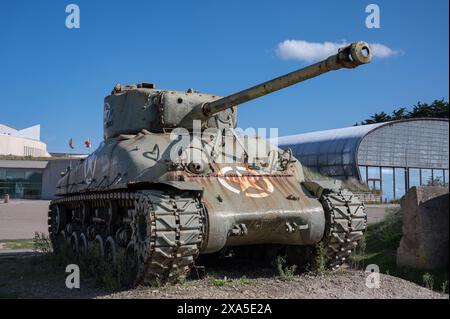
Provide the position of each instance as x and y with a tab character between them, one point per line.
31	275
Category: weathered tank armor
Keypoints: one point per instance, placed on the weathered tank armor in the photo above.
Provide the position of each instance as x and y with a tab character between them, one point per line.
147	199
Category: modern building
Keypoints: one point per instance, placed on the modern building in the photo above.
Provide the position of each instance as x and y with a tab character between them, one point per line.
389	157
27	170
21	178
25	142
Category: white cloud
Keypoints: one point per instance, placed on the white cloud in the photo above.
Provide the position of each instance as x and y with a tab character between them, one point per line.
313	51
381	51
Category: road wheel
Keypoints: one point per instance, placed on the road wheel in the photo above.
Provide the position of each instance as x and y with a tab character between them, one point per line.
98	248
110	250
60	243
83	245
57	219
74	245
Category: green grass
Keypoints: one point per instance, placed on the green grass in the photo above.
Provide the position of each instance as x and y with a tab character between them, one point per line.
17	244
215	280
380	247
243	281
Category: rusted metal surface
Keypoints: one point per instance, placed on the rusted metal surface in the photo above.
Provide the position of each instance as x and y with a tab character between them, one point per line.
262	204
248	199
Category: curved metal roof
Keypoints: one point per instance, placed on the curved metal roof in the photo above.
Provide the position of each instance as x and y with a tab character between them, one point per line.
328	135
417	143
404	143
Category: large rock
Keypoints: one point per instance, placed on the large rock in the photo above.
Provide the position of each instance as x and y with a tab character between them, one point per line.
425	228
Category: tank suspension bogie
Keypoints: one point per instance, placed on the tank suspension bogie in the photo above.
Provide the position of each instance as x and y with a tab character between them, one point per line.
98	247
164	232
74	244
83	245
110	250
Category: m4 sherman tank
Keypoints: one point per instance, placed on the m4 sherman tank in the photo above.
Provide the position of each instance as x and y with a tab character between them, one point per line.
173	179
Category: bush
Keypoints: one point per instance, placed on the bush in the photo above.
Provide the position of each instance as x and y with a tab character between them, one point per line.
41	243
388	232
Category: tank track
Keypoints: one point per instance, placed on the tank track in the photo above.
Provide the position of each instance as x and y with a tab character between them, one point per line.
159	233
346	221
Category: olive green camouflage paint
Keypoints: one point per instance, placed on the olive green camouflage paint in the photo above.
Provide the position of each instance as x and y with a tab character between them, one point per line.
257	201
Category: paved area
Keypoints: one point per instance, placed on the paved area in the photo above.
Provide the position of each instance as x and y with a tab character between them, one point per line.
376	213
19	219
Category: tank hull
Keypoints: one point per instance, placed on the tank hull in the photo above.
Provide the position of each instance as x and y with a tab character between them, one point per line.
133	197
280	213
243	206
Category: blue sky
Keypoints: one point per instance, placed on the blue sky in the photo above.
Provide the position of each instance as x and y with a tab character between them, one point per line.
57	77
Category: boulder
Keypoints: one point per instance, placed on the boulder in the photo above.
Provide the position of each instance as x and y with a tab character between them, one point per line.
425	243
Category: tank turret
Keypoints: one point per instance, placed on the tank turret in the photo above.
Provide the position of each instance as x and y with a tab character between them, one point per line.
129	109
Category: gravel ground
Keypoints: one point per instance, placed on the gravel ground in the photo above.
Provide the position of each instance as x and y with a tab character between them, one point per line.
32	277
348	284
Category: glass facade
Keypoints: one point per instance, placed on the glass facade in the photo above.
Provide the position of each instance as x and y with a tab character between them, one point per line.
408	153
387	183
374	178
438	177
427	176
389	157
446	178
330	153
394	181
414	177
400	182
21	183
415	143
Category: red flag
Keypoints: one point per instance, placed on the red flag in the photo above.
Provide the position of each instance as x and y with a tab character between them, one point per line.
71	143
88	143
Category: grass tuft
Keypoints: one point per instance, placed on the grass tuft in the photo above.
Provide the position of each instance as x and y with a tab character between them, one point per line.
41	243
320	259
428	280
285	273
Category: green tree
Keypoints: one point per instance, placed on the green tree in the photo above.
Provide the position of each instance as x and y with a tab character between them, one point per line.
400	114
437	109
378	117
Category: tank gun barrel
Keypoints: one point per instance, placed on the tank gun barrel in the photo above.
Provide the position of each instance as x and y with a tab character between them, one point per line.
352	56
